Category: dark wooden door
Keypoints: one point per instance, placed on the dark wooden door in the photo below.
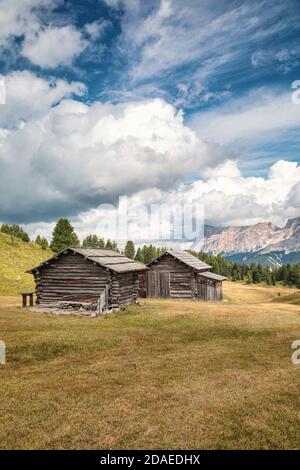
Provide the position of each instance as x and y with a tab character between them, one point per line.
151	284
164	284
158	284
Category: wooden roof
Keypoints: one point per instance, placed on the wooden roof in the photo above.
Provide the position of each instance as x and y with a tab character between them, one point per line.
212	276
106	258
185	258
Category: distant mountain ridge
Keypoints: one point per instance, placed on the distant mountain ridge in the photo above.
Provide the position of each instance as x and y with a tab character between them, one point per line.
263	243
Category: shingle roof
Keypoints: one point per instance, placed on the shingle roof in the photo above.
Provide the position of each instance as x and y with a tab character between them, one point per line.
213	276
106	258
187	259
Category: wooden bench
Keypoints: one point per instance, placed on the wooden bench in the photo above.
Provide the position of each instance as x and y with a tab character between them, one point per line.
24	298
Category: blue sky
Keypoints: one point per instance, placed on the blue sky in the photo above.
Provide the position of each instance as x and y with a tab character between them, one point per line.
219	71
194	56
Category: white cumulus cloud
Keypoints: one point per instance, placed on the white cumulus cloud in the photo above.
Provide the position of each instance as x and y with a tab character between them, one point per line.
29	97
54	46
75	156
18	18
225	197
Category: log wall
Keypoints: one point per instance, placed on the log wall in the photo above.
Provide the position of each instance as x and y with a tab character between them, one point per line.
70	278
209	290
143	284
182	279
73	278
125	288
185	283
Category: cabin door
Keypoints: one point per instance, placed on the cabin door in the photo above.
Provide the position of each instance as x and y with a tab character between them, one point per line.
158	284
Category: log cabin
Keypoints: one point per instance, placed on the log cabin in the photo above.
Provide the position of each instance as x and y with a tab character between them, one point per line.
180	275
87	277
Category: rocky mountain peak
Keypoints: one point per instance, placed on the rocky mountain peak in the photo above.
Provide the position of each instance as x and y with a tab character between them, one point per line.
263	236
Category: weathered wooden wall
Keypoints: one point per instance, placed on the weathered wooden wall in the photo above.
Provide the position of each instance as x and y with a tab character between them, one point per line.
73	278
143	284
182	279
125	288
70	278
158	284
209	289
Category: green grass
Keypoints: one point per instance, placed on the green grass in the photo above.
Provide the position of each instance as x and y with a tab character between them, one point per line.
170	374
16	257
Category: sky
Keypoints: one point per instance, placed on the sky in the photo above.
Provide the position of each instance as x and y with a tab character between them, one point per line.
160	101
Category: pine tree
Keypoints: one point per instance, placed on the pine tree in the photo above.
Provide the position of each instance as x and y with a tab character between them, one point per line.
63	236
115	247
5	229
297	276
38	240
129	249
149	253
109	245
249	278
42	242
101	243
91	241
139	256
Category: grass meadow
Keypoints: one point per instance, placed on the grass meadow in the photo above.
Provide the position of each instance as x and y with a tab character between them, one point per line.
16	257
166	375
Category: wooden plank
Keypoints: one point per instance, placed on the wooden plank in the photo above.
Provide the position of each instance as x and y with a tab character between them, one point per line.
152	284
164	284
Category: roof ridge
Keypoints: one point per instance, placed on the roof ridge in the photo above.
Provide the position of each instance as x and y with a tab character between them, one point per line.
97	260
125	262
183	259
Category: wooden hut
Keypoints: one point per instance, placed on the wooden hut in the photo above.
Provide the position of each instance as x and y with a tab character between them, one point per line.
87	277
180	275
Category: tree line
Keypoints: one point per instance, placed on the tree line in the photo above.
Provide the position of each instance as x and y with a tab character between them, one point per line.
17	231
288	275
64	236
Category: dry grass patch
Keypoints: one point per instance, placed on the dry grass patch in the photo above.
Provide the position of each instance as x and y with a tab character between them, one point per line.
236	292
171	374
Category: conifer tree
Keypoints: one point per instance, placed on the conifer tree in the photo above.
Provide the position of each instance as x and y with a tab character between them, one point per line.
63	236
139	255
129	249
